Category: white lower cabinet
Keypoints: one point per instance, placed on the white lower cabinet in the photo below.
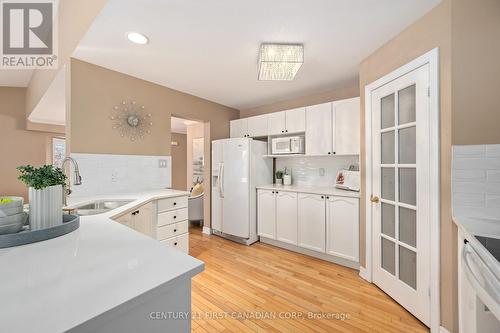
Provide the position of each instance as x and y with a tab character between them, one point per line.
325	226
266	213
342	227
286	217
311	208
165	220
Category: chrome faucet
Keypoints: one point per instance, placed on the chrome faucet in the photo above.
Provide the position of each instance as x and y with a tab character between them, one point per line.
77	181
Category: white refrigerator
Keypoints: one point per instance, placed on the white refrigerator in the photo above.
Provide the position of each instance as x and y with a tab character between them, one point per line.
238	166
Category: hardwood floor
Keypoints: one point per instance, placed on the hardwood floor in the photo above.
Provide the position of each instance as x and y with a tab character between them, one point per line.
243	287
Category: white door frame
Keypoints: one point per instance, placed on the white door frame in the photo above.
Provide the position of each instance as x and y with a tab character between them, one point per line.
431	58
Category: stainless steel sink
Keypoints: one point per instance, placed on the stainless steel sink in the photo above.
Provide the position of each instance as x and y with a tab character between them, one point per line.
99	206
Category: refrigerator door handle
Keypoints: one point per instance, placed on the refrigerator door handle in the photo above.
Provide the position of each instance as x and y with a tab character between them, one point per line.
221	180
217	183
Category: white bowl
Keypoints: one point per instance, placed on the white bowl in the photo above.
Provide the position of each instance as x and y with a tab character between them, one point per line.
10	211
17	201
17	218
10	228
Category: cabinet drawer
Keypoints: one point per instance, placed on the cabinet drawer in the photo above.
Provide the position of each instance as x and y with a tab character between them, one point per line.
180	242
172	216
172	230
172	203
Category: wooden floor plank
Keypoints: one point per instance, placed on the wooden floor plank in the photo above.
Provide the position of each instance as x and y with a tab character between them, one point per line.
243	287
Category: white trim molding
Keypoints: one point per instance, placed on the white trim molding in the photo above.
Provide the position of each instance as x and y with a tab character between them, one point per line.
207	230
443	330
431	58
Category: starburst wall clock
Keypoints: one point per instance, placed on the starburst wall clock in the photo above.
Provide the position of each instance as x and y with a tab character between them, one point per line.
131	120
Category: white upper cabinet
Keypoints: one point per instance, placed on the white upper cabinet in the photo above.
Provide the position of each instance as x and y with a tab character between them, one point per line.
342	227
238	128
266	225
319	129
257	126
312	220
346	127
286	217
295	120
277	122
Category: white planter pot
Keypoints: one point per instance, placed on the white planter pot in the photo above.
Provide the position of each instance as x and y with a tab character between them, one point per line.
279	181
46	207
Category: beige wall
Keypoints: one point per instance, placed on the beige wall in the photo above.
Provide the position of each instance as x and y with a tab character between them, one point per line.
75	17
179	161
18	146
476	71
94	92
194	131
332	95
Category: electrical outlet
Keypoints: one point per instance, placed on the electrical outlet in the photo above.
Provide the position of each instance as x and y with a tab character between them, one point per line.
162	163
321	172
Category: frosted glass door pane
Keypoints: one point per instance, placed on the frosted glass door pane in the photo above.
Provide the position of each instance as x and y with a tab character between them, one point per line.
408	226
387	183
388	256
408	186
388	219
387	111
387	148
408	267
407	105
407	145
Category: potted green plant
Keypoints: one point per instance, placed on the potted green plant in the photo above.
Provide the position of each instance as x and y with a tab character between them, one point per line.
279	177
45	194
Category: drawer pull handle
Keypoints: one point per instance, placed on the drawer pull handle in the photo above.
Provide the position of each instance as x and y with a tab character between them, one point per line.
322	197
175	203
175	243
175	230
175	217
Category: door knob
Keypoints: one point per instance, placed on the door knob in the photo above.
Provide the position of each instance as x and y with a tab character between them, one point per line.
375	199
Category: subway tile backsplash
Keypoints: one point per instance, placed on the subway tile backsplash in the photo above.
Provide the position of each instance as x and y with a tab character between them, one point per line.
109	174
476	180
315	171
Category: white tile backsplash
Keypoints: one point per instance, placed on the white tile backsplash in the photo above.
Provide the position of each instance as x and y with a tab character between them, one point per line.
315	171
475	180
107	174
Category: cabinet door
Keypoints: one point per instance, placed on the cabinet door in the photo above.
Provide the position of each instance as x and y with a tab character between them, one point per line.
346	127
277	123
312	221
286	217
296	120
143	219
342	228
266	226
257	126
238	128
319	129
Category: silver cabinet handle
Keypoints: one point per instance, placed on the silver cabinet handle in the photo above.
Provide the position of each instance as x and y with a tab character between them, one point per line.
222	181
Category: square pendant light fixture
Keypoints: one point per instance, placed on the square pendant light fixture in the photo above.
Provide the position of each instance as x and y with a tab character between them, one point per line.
280	62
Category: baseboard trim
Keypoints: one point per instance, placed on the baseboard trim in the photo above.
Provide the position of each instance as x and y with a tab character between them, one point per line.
443	330
319	255
363	273
207	230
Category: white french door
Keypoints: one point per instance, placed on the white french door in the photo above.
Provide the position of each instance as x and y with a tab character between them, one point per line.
401	191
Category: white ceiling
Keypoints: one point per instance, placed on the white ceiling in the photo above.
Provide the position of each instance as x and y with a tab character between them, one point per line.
179	125
210	48
15	77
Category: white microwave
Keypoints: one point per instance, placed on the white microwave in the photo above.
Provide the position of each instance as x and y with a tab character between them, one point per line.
288	145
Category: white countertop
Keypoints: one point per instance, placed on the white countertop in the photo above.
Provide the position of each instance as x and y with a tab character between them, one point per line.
54	285
478	226
325	190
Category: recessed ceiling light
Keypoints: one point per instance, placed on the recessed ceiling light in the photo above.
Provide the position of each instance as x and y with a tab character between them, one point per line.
137	38
280	61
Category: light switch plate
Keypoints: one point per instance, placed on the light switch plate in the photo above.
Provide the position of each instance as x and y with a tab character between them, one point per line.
162	163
